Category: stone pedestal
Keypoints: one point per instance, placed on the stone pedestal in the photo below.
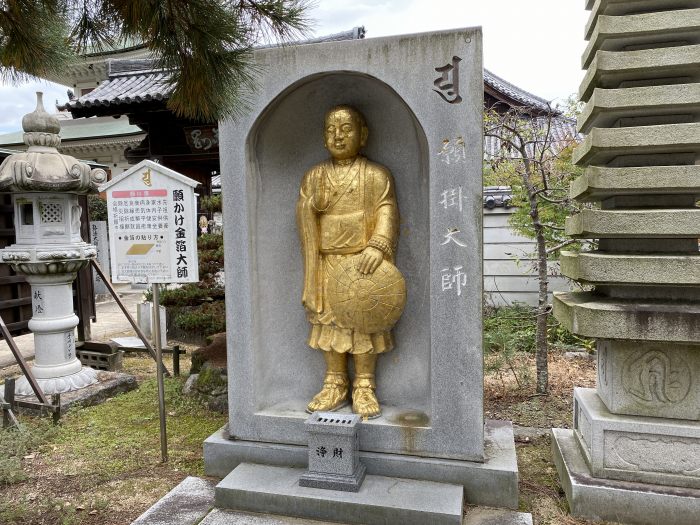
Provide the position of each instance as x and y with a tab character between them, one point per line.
492	483
634	453
56	366
632	448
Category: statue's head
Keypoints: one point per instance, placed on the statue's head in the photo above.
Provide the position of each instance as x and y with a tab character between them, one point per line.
345	132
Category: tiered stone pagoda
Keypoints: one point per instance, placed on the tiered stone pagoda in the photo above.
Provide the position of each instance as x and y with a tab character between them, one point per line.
634	454
48	247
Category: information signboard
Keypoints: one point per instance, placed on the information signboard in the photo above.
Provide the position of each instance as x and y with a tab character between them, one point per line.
152	225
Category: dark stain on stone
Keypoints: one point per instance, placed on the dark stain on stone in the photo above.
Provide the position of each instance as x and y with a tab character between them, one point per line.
410	421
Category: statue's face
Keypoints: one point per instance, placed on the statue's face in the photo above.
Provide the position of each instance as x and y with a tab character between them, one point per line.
344	135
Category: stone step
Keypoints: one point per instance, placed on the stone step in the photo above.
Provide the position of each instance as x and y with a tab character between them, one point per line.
186	504
592	315
603	145
609	108
191	502
602	268
474	516
647	223
380	500
656	29
486	516
669	65
233	517
598	183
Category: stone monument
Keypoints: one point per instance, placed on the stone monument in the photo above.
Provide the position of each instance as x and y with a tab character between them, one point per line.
48	248
634	454
420	95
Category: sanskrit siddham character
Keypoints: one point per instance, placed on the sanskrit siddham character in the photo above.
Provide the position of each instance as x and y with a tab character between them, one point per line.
346	209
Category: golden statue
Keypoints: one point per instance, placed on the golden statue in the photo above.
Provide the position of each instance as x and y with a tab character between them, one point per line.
353	294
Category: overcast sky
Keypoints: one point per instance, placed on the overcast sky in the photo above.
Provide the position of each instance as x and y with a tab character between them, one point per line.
535	44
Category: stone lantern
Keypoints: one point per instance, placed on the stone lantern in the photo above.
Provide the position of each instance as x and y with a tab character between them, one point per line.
49	250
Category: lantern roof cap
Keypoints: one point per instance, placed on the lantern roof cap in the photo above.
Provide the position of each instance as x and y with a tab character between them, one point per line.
42	168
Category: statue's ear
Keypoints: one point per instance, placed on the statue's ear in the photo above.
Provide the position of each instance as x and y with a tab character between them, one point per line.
363	136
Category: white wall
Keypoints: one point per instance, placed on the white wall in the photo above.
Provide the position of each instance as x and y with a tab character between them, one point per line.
509	275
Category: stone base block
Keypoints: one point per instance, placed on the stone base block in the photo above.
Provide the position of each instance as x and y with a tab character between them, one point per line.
321	480
618	501
649	379
639	449
492	483
108	385
381	500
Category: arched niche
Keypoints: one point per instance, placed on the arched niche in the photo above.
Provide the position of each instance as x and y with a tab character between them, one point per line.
284	142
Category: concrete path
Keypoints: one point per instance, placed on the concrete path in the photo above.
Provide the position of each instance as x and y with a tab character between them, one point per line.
111	322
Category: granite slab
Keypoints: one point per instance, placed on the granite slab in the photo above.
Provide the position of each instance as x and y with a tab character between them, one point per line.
380	500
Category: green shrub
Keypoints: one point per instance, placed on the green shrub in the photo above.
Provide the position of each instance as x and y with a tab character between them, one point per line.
97	208
190	295
517	324
210	203
206	319
198	308
210	241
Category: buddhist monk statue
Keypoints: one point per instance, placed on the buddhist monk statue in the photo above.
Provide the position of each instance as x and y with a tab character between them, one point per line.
353	294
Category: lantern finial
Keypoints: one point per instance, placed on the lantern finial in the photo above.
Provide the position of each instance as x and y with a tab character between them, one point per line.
39	120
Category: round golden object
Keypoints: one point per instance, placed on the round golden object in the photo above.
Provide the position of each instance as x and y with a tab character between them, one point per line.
367	303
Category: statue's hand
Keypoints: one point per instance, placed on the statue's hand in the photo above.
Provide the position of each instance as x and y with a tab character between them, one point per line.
370	260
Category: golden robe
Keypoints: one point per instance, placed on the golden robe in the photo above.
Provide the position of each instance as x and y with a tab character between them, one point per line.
338	212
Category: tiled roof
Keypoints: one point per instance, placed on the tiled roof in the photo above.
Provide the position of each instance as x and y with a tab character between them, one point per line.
126	87
137	80
519	95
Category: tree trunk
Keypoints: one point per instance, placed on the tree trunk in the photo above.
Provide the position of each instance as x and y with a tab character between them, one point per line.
541	346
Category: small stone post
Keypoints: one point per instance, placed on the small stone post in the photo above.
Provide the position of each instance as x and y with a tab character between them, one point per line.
48	247
634	453
334	452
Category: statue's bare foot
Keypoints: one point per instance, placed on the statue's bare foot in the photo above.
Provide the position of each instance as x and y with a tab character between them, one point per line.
365	403
333	395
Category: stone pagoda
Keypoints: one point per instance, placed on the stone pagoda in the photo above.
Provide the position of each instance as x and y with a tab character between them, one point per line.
634	453
48	248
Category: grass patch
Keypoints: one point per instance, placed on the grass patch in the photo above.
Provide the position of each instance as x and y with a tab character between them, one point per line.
101	465
18	443
109	434
540	490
